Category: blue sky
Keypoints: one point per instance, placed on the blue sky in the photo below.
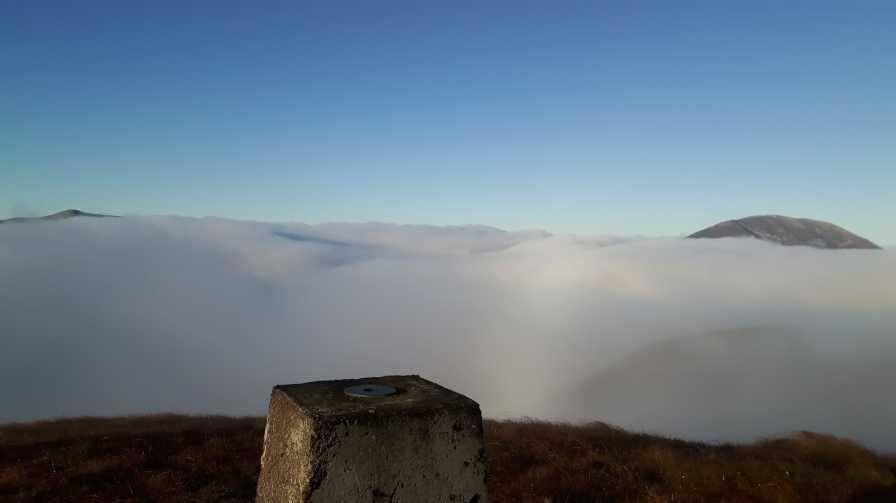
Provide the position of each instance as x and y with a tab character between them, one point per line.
653	118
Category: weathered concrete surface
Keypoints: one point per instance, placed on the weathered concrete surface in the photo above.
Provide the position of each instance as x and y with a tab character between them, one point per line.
421	445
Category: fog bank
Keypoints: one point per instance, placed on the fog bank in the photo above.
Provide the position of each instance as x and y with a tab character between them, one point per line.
725	339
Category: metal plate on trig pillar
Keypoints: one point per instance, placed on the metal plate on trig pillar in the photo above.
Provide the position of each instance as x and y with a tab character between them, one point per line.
370	390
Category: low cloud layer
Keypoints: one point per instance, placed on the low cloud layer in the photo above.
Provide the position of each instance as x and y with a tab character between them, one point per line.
727	339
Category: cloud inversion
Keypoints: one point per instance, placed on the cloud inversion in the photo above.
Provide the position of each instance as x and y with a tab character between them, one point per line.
709	339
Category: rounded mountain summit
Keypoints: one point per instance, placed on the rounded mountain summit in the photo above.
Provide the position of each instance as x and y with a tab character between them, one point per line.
788	231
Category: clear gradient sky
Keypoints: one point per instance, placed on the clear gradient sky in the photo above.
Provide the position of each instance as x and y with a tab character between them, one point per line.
653	118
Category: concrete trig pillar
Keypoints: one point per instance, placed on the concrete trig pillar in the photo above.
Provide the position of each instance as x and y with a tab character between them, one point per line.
381	439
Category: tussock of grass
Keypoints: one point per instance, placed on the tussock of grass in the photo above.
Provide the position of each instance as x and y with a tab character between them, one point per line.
204	459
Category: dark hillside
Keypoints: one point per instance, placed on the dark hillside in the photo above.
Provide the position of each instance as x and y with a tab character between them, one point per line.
216	459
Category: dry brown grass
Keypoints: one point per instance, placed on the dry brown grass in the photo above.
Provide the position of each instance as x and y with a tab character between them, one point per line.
131	459
204	459
538	462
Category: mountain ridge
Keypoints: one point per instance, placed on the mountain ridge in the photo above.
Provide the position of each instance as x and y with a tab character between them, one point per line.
59	215
788	231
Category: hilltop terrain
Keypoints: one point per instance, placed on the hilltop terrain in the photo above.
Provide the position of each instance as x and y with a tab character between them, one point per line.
787	231
216	459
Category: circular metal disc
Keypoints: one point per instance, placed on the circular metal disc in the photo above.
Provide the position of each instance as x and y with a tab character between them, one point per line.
370	390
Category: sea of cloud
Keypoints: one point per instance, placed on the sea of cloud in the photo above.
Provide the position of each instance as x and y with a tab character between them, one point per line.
718	340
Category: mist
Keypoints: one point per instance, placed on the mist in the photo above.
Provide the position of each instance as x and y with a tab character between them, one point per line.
717	340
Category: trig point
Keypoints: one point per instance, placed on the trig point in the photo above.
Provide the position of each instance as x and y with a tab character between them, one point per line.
396	439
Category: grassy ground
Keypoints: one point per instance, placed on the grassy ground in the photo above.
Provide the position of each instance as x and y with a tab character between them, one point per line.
204	459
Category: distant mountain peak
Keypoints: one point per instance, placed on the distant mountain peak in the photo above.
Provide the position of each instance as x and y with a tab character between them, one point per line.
73	213
787	231
60	215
